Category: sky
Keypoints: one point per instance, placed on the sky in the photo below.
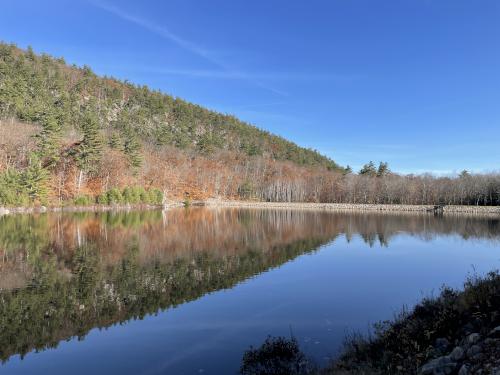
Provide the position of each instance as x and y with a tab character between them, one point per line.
415	83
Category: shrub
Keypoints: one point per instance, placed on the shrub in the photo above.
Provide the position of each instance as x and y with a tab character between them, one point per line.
83	200
143	194
155	196
131	195
115	196
277	355
103	198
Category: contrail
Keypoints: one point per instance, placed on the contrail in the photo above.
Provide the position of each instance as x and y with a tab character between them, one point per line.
182	43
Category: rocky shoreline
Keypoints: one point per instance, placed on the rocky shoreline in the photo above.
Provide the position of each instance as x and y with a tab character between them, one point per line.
447	210
474	354
481	210
457	333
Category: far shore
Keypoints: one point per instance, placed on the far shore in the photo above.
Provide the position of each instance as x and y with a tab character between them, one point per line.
214	203
483	210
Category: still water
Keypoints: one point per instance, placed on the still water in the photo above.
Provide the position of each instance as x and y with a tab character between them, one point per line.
187	291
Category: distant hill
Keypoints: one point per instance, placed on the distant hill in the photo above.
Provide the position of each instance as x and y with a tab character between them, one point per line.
34	87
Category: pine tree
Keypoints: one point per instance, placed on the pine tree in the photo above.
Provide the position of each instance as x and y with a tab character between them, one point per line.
464	174
383	169
368	169
90	148
49	140
132	148
35	180
89	151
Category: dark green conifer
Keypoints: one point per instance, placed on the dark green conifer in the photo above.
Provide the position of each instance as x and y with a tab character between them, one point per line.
383	169
132	148
35	180
368	169
49	140
90	149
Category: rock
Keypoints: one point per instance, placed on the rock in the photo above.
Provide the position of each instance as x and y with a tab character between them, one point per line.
457	354
442	344
495	332
468	328
473	338
473	350
463	370
479	357
491	342
439	366
4	211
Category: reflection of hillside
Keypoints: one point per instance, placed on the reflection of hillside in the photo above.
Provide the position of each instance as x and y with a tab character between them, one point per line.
169	235
62	275
82	272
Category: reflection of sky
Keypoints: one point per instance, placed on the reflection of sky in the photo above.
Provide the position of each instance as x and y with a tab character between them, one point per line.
320	297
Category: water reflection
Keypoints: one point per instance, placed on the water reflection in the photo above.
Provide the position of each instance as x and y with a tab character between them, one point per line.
64	274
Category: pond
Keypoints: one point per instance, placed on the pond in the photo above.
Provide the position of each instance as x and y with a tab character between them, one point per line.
187	291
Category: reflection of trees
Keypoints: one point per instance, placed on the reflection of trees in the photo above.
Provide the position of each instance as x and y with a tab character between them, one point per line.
72	288
62	275
382	227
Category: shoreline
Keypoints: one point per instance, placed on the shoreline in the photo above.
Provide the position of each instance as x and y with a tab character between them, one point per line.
357	207
72	208
454	333
216	203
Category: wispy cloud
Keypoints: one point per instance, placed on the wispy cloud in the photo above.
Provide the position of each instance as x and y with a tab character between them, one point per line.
433	172
231	74
187	45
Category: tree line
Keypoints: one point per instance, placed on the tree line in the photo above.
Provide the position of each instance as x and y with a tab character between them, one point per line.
381	186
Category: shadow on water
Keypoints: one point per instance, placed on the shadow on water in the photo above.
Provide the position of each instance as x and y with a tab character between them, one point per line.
63	274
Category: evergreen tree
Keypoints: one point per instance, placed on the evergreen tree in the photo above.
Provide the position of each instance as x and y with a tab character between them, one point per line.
12	191
35	180
49	140
383	169
89	150
368	169
464	174
132	148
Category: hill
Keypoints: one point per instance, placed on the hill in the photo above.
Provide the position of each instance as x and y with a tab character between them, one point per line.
81	119
70	136
35	87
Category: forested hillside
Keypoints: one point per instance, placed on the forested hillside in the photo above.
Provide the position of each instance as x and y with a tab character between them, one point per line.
83	118
69	136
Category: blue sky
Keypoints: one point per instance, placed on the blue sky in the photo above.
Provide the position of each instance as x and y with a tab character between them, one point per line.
415	83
